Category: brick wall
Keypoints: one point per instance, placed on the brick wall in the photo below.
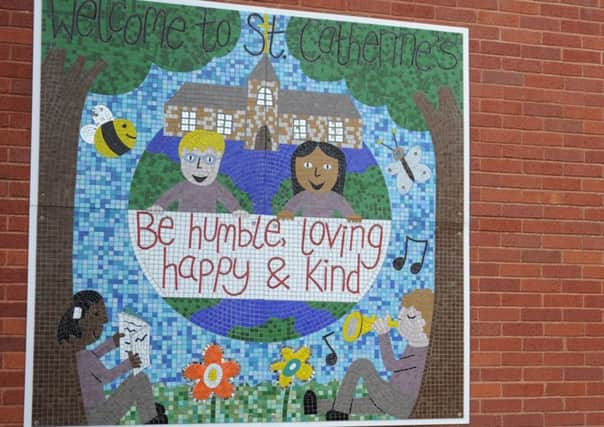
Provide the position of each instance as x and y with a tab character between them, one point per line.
537	211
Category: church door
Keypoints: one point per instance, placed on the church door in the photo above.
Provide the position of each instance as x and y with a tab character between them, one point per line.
263	139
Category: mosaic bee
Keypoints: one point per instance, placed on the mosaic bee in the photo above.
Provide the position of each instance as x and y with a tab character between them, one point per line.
407	168
111	137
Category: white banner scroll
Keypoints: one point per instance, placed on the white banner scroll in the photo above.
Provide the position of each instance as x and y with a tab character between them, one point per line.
202	255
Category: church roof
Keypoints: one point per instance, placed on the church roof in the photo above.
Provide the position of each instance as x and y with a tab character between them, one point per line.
264	71
317	104
211	96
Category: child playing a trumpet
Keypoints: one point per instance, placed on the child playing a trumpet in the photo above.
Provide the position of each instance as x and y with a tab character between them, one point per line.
397	396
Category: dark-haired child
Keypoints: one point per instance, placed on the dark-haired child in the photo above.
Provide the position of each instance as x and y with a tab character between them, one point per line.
81	325
318	173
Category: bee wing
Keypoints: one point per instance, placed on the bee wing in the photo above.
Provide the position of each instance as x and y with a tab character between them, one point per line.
101	114
422	173
403	183
414	156
87	133
395	168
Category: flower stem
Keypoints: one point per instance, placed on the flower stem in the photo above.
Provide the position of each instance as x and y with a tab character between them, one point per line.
285	404
213	409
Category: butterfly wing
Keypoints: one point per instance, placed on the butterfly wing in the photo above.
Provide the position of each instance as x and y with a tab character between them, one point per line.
87	133
422	173
403	182
414	156
101	114
395	168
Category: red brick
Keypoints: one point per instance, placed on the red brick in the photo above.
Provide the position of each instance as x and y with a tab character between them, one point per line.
543	405
500	344
501	405
543	344
565	389
576	55
563	300
539	23
540	285
543	374
564	419
521	64
499	48
521	359
455	14
486	390
582	257
541	256
13	360
521	240
13	396
412	10
521	36
520	270
591	403
374	6
573	315
491	224
561	271
498	19
498	314
11	414
522	329
537	314
581	27
583	374
585	344
561	39
543	110
582	286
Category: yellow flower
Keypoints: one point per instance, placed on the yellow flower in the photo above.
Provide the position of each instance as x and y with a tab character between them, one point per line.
293	364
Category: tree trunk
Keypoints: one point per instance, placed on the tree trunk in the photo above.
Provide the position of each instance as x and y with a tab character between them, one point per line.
442	391
56	387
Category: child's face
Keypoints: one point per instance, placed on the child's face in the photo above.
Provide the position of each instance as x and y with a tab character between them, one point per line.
200	167
93	322
410	322
317	172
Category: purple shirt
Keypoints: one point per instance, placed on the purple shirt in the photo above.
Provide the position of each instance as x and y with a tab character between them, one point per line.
93	374
198	198
319	204
408	370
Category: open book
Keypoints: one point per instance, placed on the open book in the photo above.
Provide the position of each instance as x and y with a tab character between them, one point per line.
136	339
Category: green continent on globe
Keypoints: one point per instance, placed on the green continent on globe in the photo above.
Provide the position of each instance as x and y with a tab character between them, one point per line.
337	309
270	331
188	306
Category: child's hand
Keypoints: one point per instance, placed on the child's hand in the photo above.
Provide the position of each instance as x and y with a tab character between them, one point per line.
380	326
156	208
354	218
285	215
116	338
135	359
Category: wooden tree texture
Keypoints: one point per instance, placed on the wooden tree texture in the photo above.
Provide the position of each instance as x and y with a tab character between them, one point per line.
57	397
442	390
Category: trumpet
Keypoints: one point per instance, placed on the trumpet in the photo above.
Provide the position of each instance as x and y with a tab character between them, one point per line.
356	325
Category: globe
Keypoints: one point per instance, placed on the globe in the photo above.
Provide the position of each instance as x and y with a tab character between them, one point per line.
261	182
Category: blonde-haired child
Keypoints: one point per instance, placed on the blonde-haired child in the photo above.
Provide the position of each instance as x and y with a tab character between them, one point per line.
200	153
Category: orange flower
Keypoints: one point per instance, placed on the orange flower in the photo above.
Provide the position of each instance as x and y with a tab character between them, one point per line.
212	376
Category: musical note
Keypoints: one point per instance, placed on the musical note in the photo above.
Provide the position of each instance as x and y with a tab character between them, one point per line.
416	267
332	358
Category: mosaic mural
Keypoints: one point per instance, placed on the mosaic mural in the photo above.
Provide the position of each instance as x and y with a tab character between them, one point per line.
247	215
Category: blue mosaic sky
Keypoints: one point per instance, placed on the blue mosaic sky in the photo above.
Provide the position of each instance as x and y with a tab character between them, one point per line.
104	259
